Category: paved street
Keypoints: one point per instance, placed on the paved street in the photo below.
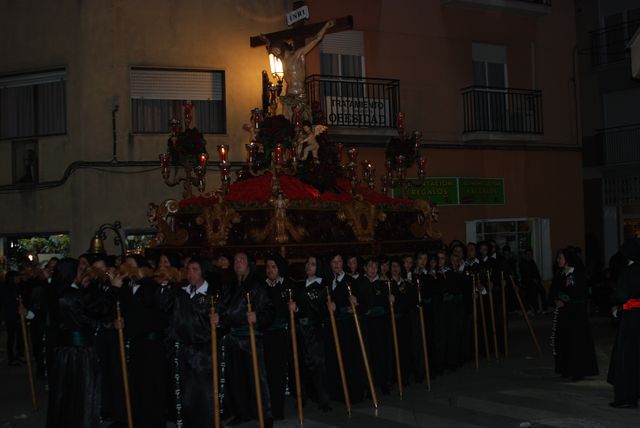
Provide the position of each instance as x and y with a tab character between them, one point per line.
520	392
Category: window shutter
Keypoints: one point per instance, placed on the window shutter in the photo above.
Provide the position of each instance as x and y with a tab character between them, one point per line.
154	84
32	78
343	43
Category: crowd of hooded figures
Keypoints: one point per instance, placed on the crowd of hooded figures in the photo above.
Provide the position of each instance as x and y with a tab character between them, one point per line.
361	329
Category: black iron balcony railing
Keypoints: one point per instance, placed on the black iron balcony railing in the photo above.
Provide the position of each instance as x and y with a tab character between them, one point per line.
356	101
620	144
508	110
609	44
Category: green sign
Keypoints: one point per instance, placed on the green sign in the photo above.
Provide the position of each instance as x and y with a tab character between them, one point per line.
481	191
456	190
442	191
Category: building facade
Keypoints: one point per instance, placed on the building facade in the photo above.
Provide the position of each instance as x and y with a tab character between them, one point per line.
491	85
610	124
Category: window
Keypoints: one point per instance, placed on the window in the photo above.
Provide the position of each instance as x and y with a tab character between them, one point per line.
25	161
33	104
157	96
490	78
342	60
518	234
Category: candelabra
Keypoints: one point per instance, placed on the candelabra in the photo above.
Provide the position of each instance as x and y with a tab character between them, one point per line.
352	167
387	178
401	174
417	138
422	165
369	174
225	167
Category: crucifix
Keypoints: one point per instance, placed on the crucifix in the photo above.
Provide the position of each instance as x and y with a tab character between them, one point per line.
289	46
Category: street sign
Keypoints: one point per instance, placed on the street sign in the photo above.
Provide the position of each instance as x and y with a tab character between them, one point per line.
455	190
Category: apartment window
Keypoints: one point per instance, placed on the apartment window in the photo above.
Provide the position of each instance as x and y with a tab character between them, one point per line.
33	104
157	96
24	154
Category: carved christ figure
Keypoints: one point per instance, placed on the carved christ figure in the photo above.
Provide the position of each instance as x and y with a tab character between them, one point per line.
293	62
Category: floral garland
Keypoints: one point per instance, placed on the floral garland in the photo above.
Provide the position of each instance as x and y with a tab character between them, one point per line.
187	147
400	146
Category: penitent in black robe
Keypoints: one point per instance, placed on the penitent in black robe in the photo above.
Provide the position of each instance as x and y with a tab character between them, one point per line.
277	345
190	330
572	340
144	329
348	337
311	297
624	372
239	394
378	338
74	375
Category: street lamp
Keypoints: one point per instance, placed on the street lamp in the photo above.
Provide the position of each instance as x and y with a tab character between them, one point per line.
277	71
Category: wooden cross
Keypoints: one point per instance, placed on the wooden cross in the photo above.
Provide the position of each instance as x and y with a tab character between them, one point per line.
300	31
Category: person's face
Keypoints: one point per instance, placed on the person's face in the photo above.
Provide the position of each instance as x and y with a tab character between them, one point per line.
471	251
484	251
395	269
194	274
241	264
352	264
433	263
336	264
458	252
562	262
132	262
51	264
164	262
455	261
372	269
83	264
100	264
223	262
311	267
384	268
422	261
272	270
442	259
408	263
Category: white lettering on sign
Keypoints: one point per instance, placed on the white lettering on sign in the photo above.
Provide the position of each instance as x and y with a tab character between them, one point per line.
348	111
297	15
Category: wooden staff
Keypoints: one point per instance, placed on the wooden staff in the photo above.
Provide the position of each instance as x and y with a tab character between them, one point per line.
214	366
484	324
493	315
474	295
27	354
254	360
363	349
336	341
296	363
526	317
423	333
394	332
123	364
505	330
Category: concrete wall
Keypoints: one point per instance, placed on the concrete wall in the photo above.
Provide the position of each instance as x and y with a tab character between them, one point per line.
98	42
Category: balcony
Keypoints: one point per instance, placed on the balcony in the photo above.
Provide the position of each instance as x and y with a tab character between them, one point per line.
610	44
619	145
501	113
356	106
519	7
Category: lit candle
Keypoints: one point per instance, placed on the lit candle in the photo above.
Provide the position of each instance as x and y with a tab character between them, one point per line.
204	158
223	151
279	154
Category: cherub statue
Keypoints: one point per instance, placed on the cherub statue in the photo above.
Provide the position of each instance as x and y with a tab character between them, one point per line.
307	142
